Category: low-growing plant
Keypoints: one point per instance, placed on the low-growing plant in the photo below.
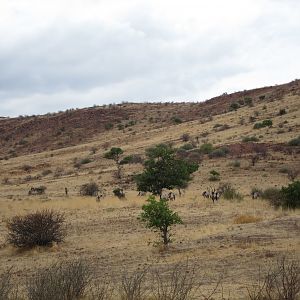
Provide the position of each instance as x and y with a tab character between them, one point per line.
66	280
89	189
7	288
294	142
41	228
234	106
206	148
229	192
132	159
220	152
264	123
176	120
214	175
282	112
85	160
247	139
187	146
185	137
273	195
109	126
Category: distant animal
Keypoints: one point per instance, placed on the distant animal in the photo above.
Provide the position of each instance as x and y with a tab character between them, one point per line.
66	191
170	196
141	193
255	195
100	195
213	194
37	190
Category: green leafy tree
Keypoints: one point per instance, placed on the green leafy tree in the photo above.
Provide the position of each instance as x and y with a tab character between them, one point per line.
115	154
158	216
163	170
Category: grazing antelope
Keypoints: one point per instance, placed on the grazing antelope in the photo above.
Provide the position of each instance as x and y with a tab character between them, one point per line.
170	196
141	193
213	194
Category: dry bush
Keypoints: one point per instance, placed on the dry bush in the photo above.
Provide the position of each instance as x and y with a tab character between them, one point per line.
66	280
7	289
41	228
244	219
133	286
229	192
180	284
89	189
282	282
100	291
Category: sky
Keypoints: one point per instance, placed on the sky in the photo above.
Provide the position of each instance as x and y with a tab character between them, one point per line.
60	54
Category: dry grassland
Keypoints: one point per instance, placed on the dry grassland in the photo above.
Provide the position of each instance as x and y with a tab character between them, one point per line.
229	238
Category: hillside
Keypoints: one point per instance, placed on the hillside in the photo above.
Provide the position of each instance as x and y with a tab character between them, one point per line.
33	134
67	149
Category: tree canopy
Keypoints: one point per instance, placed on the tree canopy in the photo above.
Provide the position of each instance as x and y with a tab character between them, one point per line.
163	169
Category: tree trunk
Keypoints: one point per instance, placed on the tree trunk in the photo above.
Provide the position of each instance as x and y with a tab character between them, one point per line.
165	235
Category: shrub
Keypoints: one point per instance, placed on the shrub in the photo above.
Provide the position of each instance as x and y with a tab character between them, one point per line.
187	146
220	152
41	228
6	286
235	164
282	112
120	126
46	172
214	175
27	168
248	101
291	195
66	280
294	142
206	148
292	174
229	192
234	106
132	159
176	120
247	139
109	126
262	97
85	161
264	123
273	195
282	282
89	189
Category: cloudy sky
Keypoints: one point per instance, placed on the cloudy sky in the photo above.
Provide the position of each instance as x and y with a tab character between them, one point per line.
58	54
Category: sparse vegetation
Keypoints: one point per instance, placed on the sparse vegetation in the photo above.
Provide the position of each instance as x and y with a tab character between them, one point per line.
229	192
264	123
41	228
206	148
220	152
214	175
245	219
247	139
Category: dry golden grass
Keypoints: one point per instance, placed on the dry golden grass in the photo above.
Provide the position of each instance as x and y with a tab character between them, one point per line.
230	238
244	219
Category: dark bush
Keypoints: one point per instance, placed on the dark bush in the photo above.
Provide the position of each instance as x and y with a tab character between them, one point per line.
234	106
273	195
295	142
220	152
264	123
248	101
282	112
176	120
247	139
132	159
262	97
27	168
89	189
41	228
187	146
85	161
46	172
109	126
206	148
65	280
291	195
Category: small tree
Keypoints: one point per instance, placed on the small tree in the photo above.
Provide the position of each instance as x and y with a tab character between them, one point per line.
291	195
163	170
115	154
158	216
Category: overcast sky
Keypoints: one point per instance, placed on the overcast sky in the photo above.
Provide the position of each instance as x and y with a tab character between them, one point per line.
59	54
